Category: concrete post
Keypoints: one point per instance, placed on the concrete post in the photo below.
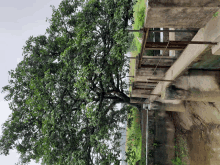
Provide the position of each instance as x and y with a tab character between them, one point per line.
172	38
173	93
167	106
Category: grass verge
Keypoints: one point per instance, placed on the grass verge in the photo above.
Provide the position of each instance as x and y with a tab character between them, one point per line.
133	137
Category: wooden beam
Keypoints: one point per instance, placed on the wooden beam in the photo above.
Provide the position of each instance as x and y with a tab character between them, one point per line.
141	96
193	42
173	30
168	48
150	78
159	57
151	94
145	78
134	88
146	82
161	80
144	87
144	95
154	66
164	44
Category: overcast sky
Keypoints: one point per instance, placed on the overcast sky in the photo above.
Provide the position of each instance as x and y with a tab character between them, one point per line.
18	21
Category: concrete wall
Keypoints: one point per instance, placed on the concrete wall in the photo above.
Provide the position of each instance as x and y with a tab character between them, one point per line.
160	138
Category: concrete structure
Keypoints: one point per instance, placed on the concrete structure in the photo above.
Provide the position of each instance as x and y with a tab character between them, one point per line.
180	14
198	85
194	56
166	106
168	95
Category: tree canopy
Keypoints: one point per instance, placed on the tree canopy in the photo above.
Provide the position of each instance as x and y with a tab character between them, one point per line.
65	91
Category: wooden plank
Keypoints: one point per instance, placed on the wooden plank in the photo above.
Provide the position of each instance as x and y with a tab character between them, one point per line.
145	95
146	82
154	66
161	80
141	91
145	78
159	57
144	88
157	60
168	48
192	42
151	62
148	74
143	84
141	96
171	43
173	30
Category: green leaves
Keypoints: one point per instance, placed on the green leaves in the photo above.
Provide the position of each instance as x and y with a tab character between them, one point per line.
69	105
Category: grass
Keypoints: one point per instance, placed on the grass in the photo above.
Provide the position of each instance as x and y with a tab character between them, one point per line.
134	137
181	151
215	15
139	15
133	134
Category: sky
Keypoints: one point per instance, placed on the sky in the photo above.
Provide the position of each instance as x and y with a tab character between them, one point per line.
18	21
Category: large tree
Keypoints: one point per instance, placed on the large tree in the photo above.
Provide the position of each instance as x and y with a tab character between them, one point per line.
65	91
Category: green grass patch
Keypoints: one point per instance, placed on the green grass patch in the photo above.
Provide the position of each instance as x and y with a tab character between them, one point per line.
134	137
181	151
139	18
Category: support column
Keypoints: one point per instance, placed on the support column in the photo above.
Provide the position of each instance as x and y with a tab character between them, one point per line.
172	38
173	93
165	39
167	106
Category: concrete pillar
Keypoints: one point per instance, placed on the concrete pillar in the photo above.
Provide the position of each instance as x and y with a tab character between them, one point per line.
156	39
172	38
173	93
157	73
165	39
167	106
145	78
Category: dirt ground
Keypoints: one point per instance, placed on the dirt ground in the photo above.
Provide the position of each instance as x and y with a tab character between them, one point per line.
200	124
195	133
200	127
